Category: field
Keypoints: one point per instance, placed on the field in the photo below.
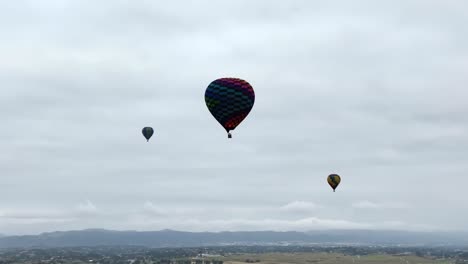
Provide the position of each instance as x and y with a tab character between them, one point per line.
324	258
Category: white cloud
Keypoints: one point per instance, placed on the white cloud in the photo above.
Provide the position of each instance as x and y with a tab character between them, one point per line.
299	207
241	224
366	205
371	205
31	217
87	208
151	209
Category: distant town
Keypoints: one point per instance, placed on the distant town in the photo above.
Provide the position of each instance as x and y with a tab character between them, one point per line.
235	254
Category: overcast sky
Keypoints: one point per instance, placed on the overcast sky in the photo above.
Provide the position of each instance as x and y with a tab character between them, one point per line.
372	90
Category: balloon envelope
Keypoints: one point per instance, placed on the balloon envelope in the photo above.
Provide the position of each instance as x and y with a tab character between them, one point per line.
229	100
334	180
147	132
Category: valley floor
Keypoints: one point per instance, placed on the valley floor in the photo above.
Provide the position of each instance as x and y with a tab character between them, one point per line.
325	258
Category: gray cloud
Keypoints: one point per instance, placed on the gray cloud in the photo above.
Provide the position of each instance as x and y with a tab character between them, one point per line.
372	91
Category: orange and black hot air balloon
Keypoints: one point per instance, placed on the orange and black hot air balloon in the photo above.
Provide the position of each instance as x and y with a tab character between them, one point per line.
334	180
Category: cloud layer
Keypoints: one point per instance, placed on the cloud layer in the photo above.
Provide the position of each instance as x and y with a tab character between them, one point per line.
371	91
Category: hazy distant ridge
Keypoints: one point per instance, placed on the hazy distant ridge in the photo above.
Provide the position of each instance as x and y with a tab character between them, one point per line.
169	238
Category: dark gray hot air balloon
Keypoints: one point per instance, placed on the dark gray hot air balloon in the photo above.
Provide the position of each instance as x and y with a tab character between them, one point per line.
147	132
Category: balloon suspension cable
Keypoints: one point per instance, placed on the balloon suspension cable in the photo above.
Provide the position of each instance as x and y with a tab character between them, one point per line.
147	140
333	190
229	135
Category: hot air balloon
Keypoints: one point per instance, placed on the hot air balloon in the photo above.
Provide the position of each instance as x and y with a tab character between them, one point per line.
229	100
147	132
334	180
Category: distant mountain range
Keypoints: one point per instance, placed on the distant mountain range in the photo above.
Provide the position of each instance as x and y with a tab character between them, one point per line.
170	238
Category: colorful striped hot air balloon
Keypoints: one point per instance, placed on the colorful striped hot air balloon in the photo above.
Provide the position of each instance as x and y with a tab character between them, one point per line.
229	100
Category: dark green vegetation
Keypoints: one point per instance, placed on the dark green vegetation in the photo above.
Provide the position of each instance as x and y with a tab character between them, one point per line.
239	254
